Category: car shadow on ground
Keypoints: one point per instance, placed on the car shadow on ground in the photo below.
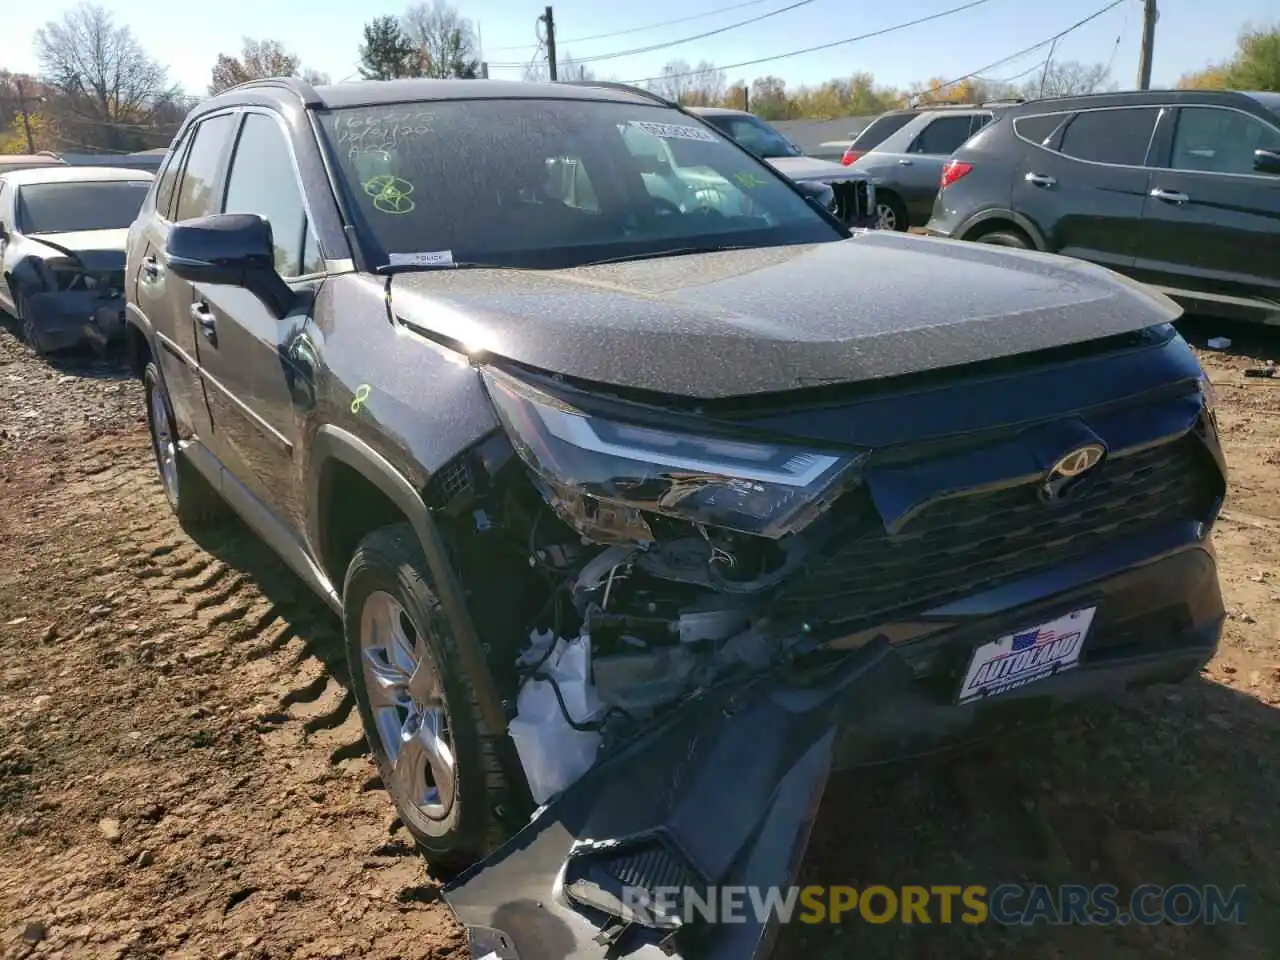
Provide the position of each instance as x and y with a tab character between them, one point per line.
1257	341
83	361
1169	785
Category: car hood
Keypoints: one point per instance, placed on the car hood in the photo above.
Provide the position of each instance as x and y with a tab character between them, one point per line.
762	320
811	168
106	245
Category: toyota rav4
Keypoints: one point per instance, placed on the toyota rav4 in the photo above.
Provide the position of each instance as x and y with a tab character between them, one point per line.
642	514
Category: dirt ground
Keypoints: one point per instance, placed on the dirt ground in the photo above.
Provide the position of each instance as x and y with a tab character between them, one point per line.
182	773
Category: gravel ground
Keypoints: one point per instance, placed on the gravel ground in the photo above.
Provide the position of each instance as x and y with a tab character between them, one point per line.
182	773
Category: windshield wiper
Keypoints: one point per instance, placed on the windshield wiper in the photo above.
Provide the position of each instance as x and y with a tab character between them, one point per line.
672	252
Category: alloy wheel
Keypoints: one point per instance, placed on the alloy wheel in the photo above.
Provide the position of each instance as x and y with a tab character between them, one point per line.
406	698
886	217
162	442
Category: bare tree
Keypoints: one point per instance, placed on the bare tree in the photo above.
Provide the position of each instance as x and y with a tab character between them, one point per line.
566	69
700	85
1068	78
107	83
445	40
258	59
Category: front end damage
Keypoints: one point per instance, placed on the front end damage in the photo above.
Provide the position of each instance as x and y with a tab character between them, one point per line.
711	617
74	298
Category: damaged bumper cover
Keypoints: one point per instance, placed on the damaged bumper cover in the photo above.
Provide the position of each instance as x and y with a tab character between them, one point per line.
724	791
66	318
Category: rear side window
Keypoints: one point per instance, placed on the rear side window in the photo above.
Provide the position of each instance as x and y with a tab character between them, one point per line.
1038	129
199	178
880	129
943	135
1111	136
168	178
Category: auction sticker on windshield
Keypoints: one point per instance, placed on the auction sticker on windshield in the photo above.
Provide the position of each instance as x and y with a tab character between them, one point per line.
673	131
1026	656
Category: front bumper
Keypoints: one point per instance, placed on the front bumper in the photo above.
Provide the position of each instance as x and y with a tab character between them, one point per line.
66	319
723	793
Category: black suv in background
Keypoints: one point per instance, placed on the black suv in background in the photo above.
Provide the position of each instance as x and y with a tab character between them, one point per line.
638	512
1179	188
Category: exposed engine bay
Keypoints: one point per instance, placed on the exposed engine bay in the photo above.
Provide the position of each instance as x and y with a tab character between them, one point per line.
624	612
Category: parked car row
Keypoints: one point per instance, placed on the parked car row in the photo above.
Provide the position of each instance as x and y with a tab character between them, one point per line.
646	489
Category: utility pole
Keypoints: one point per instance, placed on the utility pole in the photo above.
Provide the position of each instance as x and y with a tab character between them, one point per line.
549	19
746	97
1149	17
26	117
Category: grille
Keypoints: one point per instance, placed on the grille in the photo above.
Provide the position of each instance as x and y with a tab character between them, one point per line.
851	202
961	546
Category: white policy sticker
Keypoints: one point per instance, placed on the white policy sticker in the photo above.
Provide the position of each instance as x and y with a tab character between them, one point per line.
673	131
438	258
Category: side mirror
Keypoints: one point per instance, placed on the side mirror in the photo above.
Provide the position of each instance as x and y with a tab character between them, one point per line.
233	249
1266	161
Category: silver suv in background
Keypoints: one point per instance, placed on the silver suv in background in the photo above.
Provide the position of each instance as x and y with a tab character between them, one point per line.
906	167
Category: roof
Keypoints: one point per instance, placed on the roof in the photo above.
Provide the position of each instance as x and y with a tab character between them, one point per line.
1127	98
65	174
29	160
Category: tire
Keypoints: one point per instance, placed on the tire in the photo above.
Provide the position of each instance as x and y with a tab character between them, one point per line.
1006	238
190	495
387	585
891	212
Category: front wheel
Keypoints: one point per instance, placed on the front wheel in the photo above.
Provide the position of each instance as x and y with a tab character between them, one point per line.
891	213
419	712
30	334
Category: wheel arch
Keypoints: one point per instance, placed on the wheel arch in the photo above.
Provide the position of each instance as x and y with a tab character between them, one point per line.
988	220
339	459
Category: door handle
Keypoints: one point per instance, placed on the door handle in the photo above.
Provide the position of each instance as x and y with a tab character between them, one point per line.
205	321
150	271
1170	196
1040	180
904	162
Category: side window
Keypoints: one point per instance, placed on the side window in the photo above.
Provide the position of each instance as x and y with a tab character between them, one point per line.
1111	136
980	120
1038	129
1219	141
196	194
263	181
942	136
168	178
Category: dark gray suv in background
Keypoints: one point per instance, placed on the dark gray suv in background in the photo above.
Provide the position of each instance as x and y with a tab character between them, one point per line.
643	515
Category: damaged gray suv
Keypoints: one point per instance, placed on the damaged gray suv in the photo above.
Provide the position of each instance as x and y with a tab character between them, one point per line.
643	513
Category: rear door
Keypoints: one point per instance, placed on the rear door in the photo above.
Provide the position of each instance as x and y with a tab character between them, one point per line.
1211	220
188	187
246	353
1085	184
920	168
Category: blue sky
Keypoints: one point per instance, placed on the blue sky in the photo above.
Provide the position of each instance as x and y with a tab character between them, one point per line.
186	37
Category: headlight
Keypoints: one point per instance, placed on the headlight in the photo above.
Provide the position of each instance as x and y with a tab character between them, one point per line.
758	488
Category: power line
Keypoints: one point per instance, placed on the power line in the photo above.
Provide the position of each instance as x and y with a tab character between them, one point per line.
826	46
675	43
1043	43
648	26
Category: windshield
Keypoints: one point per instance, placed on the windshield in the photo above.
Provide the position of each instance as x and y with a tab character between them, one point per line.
756	135
69	207
553	183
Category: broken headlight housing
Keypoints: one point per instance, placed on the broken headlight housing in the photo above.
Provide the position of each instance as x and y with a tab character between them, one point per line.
755	487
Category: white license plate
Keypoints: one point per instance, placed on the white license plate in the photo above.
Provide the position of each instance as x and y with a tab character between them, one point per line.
1026	656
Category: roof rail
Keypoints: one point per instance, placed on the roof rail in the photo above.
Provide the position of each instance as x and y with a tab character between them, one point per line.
624	88
1002	100
295	85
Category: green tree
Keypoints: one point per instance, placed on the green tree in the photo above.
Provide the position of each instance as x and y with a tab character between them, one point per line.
1255	65
387	52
